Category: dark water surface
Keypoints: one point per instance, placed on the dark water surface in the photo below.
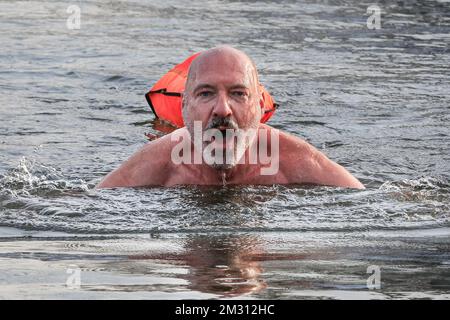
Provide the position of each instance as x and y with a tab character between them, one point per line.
72	109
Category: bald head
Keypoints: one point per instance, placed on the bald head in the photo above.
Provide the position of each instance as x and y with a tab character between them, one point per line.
222	55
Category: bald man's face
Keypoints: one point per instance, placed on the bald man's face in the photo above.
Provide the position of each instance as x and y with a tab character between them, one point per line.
222	93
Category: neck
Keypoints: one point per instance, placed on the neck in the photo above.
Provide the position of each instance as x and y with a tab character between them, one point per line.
235	174
218	176
221	175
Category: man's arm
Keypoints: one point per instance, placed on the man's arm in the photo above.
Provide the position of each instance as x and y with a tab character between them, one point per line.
119	177
326	172
321	170
306	164
145	167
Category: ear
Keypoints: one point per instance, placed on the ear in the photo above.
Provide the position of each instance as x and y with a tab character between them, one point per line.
183	99
261	97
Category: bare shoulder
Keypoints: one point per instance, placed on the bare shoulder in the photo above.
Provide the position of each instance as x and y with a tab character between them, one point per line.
303	163
295	153
150	165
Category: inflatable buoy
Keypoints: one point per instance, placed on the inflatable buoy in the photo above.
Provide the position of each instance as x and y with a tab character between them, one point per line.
164	97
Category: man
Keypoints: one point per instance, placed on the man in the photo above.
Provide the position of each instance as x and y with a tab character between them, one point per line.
223	141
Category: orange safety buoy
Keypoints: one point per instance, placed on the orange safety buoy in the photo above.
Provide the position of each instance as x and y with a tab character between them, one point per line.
164	97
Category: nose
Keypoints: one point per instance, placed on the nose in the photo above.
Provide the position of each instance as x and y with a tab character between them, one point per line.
222	107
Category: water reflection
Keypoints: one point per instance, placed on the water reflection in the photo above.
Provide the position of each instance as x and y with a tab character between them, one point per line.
225	264
158	128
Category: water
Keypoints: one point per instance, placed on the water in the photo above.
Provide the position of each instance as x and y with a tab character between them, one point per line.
72	109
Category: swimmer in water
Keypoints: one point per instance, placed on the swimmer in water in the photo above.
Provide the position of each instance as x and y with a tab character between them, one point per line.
223	141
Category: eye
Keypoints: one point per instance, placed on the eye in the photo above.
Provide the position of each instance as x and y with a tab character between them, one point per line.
204	94
239	93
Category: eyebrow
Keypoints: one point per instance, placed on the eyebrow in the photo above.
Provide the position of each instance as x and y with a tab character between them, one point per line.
239	86
203	86
208	86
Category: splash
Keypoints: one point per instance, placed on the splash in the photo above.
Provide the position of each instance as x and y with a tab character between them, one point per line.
422	183
35	196
424	189
31	177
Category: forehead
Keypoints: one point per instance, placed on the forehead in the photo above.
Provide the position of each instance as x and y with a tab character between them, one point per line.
223	69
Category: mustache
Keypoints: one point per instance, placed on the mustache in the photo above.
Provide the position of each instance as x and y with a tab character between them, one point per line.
218	122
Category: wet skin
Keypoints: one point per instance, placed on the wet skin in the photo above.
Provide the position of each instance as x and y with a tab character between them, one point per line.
223	84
